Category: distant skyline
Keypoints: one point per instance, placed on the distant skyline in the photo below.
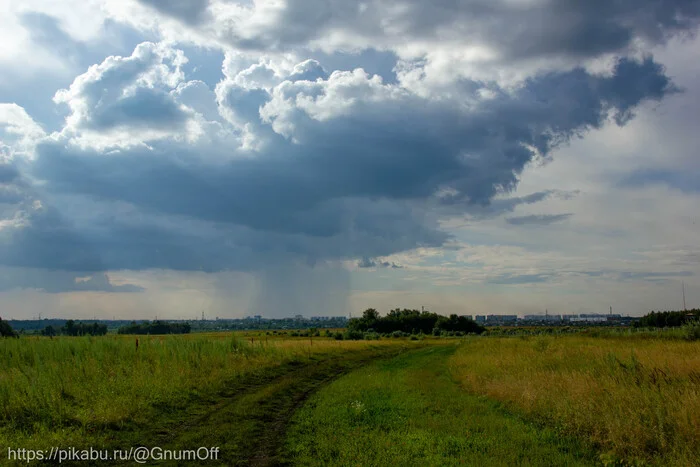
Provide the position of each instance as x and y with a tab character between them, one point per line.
321	157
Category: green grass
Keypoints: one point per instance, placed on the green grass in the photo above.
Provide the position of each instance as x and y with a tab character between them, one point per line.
409	411
85	391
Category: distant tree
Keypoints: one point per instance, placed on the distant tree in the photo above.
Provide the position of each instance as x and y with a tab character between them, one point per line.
69	328
155	327
6	330
664	319
413	322
48	331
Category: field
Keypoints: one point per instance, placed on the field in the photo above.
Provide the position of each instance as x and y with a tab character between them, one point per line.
268	399
104	391
636	399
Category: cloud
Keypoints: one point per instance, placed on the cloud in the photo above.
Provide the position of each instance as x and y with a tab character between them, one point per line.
366	262
19	133
538	219
519	279
60	281
685	180
504	29
653	276
127	99
188	11
338	131
351	166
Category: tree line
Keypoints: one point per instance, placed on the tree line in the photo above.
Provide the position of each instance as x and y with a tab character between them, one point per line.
71	328
413	322
155	327
668	319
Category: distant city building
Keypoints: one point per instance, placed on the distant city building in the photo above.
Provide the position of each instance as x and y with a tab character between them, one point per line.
480	319
501	319
468	317
542	318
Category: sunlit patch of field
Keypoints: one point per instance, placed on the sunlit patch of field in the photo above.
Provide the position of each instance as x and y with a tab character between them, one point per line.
69	390
636	400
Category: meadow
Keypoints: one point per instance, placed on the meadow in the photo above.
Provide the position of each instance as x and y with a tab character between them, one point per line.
82	391
634	398
594	397
590	397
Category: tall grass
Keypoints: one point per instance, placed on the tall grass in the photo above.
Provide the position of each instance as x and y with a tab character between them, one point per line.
637	400
65	389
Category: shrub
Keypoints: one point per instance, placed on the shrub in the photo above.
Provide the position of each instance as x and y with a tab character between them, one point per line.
691	331
351	335
371	336
6	330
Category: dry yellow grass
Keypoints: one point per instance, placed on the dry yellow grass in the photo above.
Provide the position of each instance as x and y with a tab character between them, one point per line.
637	400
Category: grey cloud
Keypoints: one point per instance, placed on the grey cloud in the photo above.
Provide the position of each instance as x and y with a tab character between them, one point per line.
60	281
8	172
187	11
366	262
653	276
549	28
517	279
685	180
359	179
538	219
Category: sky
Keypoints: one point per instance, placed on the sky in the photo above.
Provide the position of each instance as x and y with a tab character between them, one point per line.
318	157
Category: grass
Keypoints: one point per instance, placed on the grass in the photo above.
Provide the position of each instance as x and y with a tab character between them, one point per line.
409	411
637	400
593	397
80	391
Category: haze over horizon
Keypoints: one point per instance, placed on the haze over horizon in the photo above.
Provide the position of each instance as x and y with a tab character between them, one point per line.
320	157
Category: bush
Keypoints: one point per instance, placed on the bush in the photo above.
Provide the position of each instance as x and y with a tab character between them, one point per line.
338	336
353	335
691	331
371	336
414	337
6	330
397	334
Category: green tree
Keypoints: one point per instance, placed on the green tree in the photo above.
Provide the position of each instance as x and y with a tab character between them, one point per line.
6	330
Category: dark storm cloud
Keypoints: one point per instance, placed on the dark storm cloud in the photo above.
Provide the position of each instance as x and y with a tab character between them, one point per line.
538	219
358	180
60	281
570	28
366	262
188	11
8	172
